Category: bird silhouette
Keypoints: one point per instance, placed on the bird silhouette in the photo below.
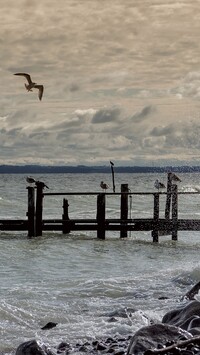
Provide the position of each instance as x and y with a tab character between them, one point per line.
159	185
30	180
31	85
104	186
174	177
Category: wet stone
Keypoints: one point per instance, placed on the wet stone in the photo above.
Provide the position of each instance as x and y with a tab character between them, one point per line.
101	347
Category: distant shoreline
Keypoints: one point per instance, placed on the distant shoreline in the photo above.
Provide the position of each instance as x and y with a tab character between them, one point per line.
84	169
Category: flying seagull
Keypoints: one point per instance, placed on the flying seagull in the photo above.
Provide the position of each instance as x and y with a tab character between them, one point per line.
159	185
104	186
31	85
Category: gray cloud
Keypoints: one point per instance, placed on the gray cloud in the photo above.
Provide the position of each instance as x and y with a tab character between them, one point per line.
106	115
162	131
143	113
113	75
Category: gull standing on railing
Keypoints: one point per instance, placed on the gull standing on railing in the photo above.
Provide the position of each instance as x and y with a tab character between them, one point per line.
104	186
159	185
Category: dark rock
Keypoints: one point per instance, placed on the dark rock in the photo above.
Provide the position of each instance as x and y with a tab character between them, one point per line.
194	291
148	338
83	348
32	348
112	320
49	325
119	352
109	340
101	347
186	352
185	317
110	351
95	342
63	347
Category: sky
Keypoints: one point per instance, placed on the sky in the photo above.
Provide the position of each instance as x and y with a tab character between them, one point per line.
121	82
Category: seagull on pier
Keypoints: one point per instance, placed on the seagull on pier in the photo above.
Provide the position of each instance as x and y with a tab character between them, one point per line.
174	177
159	185
30	180
31	85
104	186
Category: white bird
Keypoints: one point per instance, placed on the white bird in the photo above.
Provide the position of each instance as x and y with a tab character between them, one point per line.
104	186
159	185
30	180
31	85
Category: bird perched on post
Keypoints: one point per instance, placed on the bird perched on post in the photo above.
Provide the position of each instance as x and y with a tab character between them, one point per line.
31	85
30	180
159	185
104	186
174	177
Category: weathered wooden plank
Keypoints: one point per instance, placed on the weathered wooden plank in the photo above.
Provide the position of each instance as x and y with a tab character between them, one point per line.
14	227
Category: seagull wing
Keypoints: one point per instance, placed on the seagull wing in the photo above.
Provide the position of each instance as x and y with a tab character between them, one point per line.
41	89
27	76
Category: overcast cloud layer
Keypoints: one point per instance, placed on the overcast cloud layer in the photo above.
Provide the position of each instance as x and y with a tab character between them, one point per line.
121	77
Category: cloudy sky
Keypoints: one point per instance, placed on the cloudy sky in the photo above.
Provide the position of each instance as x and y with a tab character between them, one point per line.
121	78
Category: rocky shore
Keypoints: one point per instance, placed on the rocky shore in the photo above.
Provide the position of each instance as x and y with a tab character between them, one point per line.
178	334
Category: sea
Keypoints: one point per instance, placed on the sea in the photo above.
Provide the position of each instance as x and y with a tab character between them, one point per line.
81	282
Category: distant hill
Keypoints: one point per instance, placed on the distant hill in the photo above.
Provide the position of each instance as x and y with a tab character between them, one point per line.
84	169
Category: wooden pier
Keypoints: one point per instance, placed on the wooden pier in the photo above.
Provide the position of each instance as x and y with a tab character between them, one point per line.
35	224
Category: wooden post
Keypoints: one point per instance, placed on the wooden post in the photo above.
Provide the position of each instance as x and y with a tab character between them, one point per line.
31	211
155	231
124	209
39	207
101	212
168	197
65	217
113	176
174	212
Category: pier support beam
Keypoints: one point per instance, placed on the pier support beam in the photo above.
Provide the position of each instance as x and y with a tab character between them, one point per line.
39	207
31	211
174	212
124	209
113	175
65	217
101	213
155	231
168	198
